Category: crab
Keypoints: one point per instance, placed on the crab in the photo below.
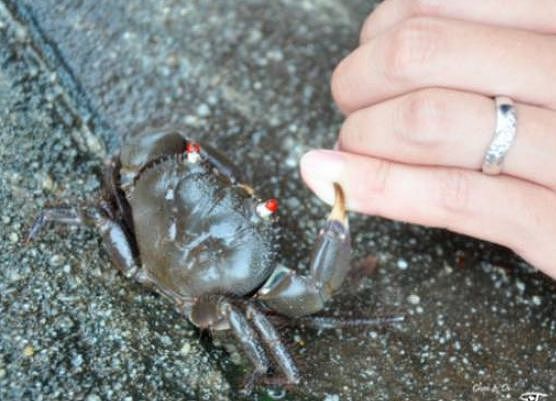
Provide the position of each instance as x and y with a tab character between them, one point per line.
175	215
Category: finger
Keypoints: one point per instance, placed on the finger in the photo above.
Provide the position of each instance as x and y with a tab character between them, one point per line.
430	52
505	210
450	128
518	14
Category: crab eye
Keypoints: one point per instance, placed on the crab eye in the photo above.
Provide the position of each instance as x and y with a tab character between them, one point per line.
271	205
192	151
268	208
192	147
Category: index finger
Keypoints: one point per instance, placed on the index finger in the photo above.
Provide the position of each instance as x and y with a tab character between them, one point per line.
539	16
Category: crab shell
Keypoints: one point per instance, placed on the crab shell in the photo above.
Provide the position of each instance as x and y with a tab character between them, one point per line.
198	232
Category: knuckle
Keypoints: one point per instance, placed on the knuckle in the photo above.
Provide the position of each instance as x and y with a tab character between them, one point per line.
338	86
366	29
454	191
412	45
375	19
419	117
379	178
352	133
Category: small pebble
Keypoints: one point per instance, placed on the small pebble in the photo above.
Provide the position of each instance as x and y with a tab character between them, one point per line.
28	351
56	260
93	397
402	264
14	238
413	299
235	358
191	120
297	338
276	394
186	349
77	360
48	183
536	300
166	341
94	144
332	397
203	110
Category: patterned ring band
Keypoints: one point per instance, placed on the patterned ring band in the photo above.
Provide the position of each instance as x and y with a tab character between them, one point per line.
504	136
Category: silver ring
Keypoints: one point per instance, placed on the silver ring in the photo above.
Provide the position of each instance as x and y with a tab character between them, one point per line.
504	136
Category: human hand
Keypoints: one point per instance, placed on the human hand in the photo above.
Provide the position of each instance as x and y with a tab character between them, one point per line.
418	93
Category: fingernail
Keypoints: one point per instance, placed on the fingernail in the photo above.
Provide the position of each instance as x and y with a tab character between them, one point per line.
323	164
321	168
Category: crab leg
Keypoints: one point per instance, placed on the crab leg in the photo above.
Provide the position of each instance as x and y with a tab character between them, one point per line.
274	344
293	295
250	343
57	214
114	236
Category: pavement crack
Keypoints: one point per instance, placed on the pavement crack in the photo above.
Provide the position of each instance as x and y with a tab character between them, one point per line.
70	100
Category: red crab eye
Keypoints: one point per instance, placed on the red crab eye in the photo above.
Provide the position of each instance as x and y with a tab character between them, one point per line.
192	147
272	205
267	208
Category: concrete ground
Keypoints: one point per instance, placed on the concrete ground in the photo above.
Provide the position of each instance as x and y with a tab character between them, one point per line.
251	77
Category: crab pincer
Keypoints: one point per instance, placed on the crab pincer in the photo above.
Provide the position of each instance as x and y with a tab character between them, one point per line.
295	295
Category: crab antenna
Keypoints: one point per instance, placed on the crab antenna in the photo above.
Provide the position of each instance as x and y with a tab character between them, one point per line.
339	209
324	322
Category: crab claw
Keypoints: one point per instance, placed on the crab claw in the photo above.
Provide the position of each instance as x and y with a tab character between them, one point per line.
291	294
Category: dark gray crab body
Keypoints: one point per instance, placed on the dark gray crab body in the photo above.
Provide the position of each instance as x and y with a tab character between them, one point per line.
199	234
176	216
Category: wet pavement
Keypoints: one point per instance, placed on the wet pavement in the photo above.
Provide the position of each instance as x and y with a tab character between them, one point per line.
250	77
